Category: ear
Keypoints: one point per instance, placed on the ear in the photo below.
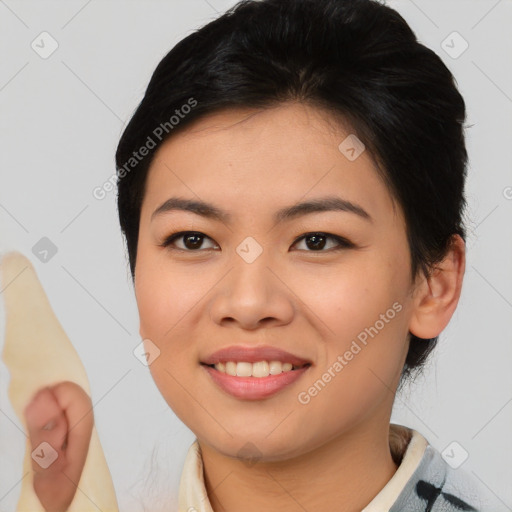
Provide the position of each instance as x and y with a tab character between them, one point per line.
437	296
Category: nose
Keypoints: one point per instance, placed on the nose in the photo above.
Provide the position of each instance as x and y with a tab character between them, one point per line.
252	295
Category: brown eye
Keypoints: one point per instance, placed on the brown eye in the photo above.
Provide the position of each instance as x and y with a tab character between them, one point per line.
316	242
191	241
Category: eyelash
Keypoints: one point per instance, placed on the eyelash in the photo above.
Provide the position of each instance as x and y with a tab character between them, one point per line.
343	242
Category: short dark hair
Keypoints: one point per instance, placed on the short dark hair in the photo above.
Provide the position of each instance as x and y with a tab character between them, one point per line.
359	61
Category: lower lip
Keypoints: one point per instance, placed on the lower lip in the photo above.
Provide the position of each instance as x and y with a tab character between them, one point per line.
254	388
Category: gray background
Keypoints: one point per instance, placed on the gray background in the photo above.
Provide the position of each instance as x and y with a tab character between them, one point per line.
60	121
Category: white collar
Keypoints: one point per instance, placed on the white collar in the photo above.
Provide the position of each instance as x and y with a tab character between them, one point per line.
193	496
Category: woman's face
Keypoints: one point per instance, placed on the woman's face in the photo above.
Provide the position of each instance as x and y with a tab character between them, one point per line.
251	280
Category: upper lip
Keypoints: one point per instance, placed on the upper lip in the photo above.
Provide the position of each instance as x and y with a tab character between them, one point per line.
253	355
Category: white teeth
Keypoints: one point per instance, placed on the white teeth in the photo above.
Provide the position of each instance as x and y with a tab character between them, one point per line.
230	368
244	369
276	367
259	369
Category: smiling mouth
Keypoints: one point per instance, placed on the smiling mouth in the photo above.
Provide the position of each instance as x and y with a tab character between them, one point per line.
260	369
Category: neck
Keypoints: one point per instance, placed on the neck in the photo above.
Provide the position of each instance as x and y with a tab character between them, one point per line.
343	474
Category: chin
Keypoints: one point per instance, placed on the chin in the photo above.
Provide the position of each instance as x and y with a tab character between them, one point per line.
256	448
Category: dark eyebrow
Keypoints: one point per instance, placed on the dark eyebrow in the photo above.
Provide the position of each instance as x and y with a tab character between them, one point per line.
191	205
324	204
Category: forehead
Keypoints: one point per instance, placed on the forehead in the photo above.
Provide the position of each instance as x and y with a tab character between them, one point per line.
306	123
253	159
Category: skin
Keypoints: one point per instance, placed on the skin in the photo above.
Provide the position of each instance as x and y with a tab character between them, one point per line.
333	452
62	416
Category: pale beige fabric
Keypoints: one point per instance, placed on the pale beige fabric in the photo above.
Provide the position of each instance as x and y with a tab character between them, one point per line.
38	353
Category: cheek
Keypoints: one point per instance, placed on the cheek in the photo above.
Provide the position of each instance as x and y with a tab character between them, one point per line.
154	300
345	300
165	295
363	312
165	300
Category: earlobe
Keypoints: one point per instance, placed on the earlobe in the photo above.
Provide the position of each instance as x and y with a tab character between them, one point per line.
437	295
